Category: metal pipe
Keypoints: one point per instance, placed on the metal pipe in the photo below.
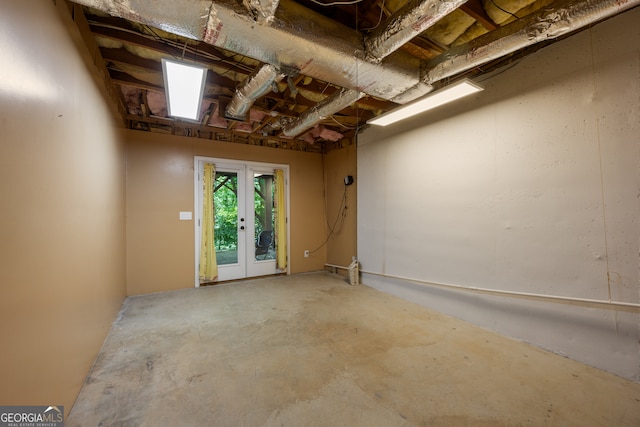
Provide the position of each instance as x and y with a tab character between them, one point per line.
413	93
256	85
552	298
409	21
325	108
263	11
406	23
337	266
562	18
296	38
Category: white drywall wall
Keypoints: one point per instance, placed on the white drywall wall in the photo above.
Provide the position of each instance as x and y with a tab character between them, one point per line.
533	185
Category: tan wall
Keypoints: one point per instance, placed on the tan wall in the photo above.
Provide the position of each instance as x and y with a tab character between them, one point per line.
342	245
160	247
62	264
529	187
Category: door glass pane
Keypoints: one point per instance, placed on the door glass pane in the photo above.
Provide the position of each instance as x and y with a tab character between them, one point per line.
264	216
225	199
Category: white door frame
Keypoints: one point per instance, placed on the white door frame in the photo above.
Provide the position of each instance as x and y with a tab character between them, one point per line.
245	166
239	268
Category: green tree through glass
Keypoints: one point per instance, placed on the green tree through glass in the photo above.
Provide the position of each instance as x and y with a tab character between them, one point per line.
225	198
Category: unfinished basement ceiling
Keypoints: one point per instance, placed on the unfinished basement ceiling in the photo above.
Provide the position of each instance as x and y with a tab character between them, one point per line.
308	74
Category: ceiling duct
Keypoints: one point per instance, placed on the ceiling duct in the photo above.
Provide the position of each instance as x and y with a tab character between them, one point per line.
409	21
256	85
563	18
263	10
289	36
296	37
336	102
415	92
186	18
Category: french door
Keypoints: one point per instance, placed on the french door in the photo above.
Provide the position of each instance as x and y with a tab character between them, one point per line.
243	219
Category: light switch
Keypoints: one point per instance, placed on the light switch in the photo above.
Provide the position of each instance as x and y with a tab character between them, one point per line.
185	216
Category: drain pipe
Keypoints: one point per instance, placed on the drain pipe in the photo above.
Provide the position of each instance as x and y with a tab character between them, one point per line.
621	305
341	267
353	268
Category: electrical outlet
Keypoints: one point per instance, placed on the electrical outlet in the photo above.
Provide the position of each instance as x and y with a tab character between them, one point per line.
306	254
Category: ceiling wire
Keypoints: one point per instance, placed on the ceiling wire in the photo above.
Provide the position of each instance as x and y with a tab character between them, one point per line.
160	39
602	192
325	88
355	136
342	213
337	3
379	18
231	64
504	10
184	49
491	74
342	210
342	124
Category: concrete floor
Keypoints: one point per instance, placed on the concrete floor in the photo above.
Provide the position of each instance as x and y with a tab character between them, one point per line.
310	350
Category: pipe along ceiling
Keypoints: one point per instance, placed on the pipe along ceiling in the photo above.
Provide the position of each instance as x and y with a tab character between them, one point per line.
291	40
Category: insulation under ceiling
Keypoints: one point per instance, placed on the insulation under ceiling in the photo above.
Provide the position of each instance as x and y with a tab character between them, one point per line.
306	75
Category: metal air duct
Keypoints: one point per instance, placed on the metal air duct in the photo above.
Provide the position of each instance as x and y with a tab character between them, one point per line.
563	18
256	85
336	102
409	21
263	10
295	38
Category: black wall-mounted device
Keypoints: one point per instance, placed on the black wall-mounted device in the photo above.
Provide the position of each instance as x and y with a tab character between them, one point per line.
348	180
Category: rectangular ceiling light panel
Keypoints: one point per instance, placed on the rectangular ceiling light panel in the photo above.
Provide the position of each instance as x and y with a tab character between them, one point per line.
432	100
184	86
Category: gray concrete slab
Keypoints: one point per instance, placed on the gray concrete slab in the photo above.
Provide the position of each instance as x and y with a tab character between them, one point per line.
311	350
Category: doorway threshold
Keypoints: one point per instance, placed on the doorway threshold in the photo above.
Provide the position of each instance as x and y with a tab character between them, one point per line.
242	279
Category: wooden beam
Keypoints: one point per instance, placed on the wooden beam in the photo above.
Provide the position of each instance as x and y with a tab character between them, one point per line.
144	41
232	135
373	16
123	78
96	64
474	9
144	105
123	56
195	49
428	44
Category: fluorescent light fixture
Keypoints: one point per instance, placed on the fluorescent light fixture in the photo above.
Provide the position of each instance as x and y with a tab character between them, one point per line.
184	86
432	100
